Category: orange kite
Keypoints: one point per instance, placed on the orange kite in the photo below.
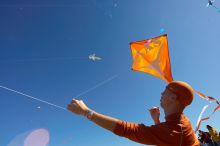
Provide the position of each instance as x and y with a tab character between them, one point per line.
152	56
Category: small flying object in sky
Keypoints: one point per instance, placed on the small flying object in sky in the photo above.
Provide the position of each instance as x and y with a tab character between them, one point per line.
94	57
210	3
162	30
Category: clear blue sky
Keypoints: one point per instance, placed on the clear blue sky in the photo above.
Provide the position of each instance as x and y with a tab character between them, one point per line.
44	49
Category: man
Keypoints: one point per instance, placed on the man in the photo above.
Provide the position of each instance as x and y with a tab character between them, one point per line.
175	131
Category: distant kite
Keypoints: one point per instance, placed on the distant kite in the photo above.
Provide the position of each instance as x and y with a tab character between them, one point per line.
211	3
93	57
162	30
152	56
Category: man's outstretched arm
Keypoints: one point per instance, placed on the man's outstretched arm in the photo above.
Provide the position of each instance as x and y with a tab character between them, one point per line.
78	107
135	132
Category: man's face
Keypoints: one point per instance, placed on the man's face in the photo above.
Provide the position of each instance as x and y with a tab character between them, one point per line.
167	98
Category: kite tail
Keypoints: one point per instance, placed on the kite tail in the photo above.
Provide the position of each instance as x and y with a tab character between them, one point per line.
210	99
216	8
200	119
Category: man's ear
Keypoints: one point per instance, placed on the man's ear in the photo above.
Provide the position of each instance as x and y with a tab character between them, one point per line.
174	97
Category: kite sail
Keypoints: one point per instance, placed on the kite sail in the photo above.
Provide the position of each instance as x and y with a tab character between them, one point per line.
152	56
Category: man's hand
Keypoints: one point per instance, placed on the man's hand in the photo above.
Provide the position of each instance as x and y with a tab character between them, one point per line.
155	114
78	107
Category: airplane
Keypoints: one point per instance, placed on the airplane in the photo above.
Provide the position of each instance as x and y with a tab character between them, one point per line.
94	57
210	3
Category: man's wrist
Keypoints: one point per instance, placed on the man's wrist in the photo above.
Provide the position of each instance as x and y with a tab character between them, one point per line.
157	121
89	114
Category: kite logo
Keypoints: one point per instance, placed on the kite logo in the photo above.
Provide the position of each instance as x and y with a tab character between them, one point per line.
151	44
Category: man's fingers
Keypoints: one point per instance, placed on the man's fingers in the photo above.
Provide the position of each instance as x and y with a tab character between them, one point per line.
154	108
71	106
73	101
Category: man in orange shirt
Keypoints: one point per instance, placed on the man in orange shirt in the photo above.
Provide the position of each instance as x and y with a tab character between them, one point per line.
175	131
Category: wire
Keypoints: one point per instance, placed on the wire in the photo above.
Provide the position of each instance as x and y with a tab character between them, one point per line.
96	86
32	97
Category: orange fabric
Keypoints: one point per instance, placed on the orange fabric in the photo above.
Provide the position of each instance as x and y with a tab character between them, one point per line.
152	56
183	91
168	133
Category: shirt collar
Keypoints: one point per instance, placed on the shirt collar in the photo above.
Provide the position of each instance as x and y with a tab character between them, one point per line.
174	117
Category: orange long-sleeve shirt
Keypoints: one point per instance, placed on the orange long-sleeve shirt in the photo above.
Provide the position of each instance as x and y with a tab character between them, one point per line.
175	131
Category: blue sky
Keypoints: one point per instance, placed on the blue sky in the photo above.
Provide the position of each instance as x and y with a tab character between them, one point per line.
44	49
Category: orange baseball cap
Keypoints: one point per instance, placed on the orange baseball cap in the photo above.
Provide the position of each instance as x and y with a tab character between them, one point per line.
184	92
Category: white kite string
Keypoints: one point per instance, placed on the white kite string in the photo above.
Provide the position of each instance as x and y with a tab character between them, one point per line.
57	106
44	6
96	86
47	59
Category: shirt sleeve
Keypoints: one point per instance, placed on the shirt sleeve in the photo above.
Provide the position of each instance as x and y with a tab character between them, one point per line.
154	135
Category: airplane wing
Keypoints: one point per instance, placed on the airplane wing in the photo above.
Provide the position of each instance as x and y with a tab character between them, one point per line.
98	58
